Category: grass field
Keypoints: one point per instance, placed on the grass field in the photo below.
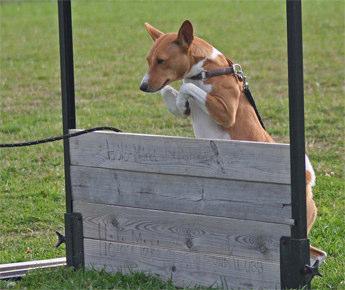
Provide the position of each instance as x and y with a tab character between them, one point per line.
110	47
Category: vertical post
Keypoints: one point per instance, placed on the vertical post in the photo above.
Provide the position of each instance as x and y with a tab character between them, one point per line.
68	111
295	250
67	85
296	115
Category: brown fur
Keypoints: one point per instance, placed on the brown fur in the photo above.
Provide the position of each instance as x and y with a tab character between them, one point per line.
230	108
311	207
226	103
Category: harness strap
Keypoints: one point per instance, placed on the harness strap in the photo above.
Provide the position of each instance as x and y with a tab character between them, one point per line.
213	73
231	69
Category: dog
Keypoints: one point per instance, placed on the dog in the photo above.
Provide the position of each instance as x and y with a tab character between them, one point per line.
218	107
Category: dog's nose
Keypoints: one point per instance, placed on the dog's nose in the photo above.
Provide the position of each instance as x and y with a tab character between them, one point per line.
144	87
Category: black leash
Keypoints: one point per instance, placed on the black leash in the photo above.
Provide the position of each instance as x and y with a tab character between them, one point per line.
250	99
57	138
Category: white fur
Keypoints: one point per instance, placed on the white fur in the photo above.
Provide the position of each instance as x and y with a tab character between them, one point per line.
310	168
203	125
198	68
195	92
195	69
145	79
190	90
170	98
215	53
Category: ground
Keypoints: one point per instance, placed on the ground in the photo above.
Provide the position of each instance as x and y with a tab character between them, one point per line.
110	46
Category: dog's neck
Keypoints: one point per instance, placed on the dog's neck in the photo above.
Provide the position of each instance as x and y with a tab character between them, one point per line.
204	56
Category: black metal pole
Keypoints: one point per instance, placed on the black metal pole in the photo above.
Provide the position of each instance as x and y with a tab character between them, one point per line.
295	249
68	109
296	114
67	85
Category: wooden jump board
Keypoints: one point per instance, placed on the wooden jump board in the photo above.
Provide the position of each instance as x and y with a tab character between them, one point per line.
201	212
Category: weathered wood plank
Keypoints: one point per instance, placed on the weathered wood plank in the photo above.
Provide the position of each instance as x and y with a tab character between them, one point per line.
184	232
240	160
217	197
185	269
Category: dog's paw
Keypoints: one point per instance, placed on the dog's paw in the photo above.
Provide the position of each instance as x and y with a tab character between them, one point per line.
182	104
169	95
187	89
169	91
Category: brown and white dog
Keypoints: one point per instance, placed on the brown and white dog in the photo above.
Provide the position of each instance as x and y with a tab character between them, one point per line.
218	107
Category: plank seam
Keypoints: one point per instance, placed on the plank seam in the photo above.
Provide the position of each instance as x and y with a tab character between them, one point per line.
287	222
178	174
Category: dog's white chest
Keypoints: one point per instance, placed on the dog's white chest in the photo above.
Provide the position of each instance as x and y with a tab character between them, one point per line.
203	125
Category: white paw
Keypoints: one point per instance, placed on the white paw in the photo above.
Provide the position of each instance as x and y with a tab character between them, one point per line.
187	88
169	95
168	91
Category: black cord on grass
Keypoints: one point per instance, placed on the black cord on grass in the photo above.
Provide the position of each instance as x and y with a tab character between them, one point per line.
57	138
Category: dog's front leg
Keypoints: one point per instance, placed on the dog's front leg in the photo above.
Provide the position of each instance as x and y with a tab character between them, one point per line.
189	90
221	109
170	96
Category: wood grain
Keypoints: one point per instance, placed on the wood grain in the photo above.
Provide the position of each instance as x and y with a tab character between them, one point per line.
250	161
184	232
185	269
201	212
216	197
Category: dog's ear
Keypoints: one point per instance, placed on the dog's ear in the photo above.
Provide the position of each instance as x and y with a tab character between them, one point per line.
154	32
185	34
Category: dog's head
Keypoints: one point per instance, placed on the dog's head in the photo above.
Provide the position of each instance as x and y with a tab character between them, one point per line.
169	57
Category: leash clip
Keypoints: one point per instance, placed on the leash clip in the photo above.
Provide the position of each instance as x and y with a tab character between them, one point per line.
240	74
237	69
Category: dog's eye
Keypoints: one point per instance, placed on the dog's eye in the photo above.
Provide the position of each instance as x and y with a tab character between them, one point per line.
160	61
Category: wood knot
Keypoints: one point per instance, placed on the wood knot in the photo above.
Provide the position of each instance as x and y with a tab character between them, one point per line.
189	243
115	223
263	249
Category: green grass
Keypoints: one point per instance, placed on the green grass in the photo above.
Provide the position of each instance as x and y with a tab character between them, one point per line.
89	280
110	47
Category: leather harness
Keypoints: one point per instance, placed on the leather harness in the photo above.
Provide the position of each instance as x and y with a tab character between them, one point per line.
236	70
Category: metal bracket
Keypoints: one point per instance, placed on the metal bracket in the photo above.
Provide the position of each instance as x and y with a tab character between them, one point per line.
74	239
61	239
312	271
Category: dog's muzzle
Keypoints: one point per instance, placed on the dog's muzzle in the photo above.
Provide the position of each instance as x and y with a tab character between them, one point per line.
144	86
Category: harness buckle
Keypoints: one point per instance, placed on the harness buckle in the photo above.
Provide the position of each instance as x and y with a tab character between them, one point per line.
237	69
240	74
